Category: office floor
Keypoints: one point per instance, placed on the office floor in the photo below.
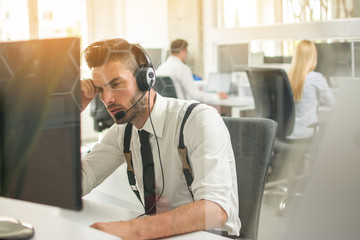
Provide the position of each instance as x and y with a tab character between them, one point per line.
272	226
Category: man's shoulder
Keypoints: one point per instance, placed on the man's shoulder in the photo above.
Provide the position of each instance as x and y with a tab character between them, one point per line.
178	104
172	61
200	111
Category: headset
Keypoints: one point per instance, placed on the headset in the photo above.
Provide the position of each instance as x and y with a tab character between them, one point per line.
145	79
145	74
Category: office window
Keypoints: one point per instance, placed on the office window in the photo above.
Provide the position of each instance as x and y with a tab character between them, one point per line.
273	51
14	23
61	18
244	13
25	19
315	10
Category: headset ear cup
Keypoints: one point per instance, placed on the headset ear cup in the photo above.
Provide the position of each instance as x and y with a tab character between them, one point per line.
150	77
145	77
145	73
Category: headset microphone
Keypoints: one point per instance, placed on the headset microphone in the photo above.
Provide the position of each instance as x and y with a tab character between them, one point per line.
121	114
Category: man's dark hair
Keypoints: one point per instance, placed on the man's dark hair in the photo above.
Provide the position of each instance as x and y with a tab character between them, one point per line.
117	49
178	45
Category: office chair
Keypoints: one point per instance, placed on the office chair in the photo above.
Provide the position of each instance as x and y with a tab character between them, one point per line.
164	85
102	118
252	141
273	99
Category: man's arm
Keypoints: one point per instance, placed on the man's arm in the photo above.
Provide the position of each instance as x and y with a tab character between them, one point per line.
195	216
88	92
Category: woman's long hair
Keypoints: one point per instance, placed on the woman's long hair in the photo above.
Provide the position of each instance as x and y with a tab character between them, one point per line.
303	62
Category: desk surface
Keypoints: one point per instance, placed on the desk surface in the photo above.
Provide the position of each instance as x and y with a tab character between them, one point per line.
59	224
232	102
236	104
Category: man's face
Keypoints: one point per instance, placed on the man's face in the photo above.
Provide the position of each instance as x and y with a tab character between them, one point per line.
183	55
117	89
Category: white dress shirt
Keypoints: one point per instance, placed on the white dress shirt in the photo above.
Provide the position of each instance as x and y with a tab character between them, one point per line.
182	77
316	91
208	142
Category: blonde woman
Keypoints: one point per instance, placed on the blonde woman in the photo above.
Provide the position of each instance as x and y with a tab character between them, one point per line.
309	89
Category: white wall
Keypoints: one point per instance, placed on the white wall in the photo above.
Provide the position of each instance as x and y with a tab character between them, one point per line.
146	22
135	20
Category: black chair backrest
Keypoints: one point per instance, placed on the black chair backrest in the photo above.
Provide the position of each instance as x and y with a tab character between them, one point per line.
165	86
102	118
252	141
273	97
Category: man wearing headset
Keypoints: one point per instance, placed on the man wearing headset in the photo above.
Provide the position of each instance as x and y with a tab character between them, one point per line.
122	75
175	67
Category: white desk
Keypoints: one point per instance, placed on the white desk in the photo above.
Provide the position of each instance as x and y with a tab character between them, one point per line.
236	104
59	224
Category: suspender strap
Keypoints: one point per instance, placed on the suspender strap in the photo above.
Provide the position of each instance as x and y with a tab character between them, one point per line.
127	154
183	151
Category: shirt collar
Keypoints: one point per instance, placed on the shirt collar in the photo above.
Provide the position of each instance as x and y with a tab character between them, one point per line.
158	114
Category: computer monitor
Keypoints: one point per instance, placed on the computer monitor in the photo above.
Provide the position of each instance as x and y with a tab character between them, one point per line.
232	57
155	55
40	118
277	59
334	59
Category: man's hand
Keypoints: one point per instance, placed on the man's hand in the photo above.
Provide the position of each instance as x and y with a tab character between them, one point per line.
122	229
88	92
223	95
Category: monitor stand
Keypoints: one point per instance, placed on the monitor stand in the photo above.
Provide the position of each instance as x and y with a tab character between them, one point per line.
11	228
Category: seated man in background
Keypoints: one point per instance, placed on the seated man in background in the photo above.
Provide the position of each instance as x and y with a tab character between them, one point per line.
175	67
123	76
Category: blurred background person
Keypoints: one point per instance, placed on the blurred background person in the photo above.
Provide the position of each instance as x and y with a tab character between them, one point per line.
175	67
309	88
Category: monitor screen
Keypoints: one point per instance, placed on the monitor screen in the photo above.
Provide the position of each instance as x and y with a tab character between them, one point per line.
334	59
233	57
40	117
277	59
